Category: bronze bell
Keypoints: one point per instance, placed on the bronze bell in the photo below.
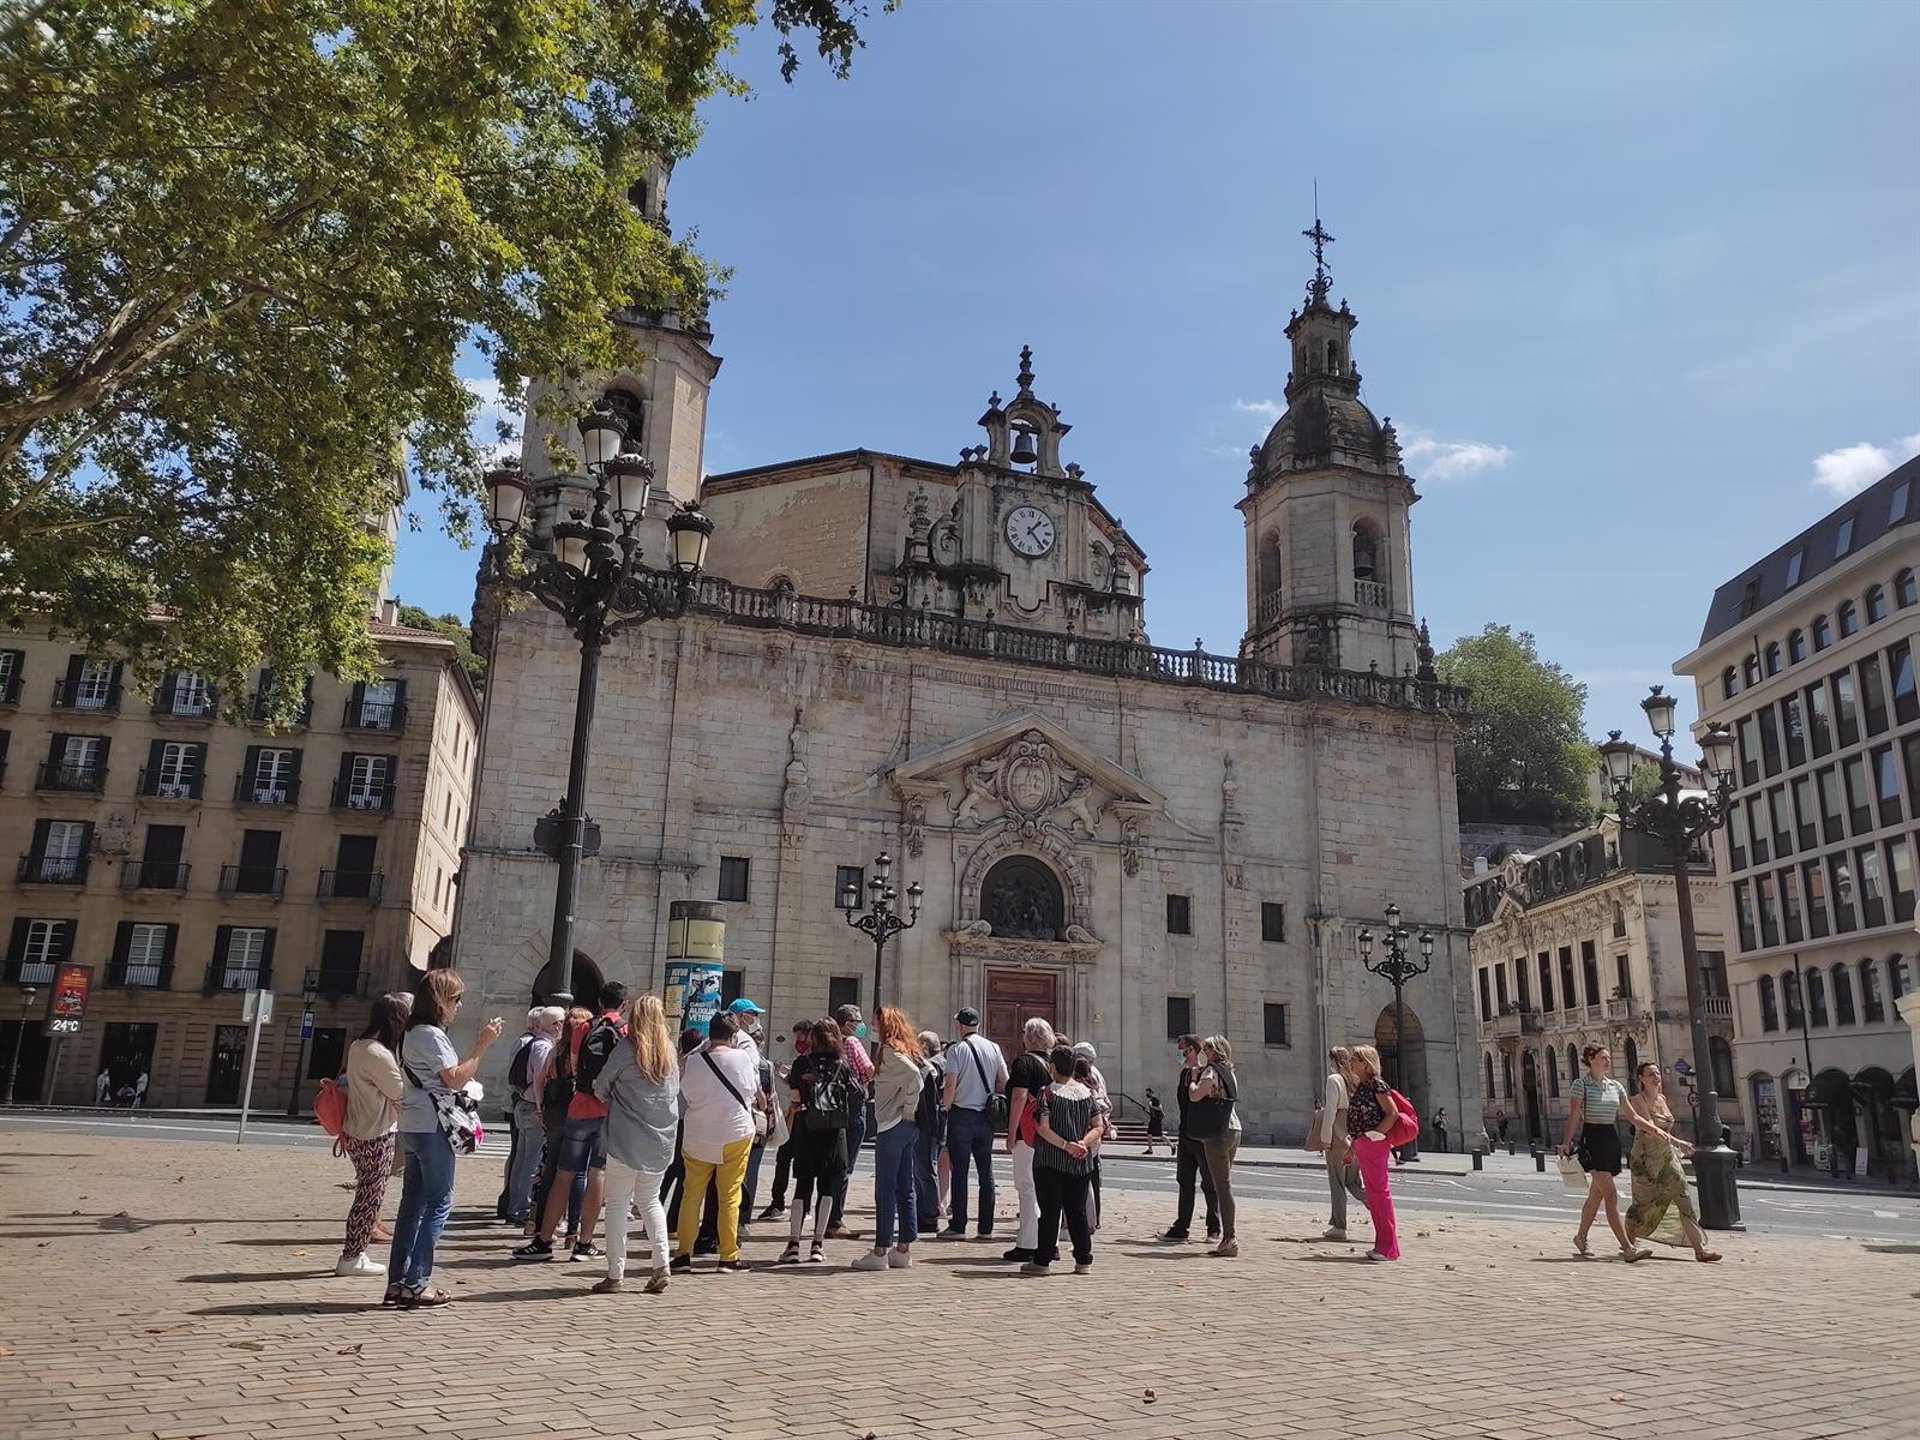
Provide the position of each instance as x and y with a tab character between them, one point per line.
1023	451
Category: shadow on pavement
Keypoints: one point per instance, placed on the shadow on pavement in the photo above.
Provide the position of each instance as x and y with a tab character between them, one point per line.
295	1307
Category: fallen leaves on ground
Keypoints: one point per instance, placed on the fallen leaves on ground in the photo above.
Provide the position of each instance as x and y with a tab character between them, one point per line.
1150	1397
350	1350
246	1344
297	1254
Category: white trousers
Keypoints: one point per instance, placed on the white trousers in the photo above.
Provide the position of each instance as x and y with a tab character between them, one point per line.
622	1184
1028	1237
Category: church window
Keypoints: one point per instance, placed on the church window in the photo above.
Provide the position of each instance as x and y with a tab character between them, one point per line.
849	885
1275	1018
632	412
1179	1016
1333	357
733	878
1179	914
1365	551
1273	923
1021	899
781	585
1267	576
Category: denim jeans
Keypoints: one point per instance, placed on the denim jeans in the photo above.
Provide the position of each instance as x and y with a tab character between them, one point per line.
426	1199
856	1132
752	1180
970	1137
893	1184
529	1141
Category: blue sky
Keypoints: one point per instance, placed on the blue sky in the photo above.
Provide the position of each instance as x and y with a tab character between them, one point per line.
1638	284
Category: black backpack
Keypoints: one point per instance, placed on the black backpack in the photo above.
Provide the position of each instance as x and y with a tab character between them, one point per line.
830	1099
932	1082
595	1050
517	1076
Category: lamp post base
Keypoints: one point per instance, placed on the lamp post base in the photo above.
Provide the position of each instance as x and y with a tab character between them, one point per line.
1719	1196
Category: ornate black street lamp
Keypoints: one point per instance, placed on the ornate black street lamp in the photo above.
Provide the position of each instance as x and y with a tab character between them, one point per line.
1680	823
594	581
1398	967
880	921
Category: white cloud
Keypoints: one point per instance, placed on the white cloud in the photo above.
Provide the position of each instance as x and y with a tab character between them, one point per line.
1852	468
488	417
1450	459
1267	410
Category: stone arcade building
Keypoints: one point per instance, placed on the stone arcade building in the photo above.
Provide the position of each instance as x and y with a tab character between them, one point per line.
948	662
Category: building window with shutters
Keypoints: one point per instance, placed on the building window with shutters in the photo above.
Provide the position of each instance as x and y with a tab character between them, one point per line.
1274	1017
734	871
12	664
144	956
184	695
365	783
174	769
377	705
241	958
271	776
89	685
58	853
35	948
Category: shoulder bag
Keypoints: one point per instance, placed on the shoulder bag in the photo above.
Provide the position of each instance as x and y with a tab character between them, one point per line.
456	1113
754	1112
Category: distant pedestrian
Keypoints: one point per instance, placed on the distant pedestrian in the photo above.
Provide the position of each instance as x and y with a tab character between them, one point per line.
1371	1116
1594	1102
851	1029
1065	1131
1343	1175
102	1087
432	1067
1211	1120
783	1157
1662	1210
375	1088
1189	1159
529	1131
721	1088
1500	1126
641	1085
1156	1120
898	1082
140	1090
824	1097
976	1072
1440	1127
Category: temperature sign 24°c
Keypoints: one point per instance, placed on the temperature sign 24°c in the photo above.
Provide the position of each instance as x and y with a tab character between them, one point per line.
67	1006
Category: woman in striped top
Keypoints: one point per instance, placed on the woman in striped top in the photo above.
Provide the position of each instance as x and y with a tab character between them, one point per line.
1594	1103
1063	1159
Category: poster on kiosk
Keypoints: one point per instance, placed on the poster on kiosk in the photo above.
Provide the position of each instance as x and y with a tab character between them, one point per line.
696	962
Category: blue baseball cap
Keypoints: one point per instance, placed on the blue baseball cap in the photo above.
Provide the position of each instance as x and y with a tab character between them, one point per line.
744	1006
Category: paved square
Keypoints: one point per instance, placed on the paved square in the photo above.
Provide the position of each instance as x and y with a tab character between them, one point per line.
174	1290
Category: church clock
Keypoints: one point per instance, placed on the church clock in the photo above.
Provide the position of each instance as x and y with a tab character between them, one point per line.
1029	530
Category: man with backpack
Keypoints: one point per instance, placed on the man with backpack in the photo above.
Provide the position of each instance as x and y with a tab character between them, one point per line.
529	1135
976	1074
582	1149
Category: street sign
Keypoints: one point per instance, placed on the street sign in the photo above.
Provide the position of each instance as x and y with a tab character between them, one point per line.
306	1024
257	1004
67	1002
256	1009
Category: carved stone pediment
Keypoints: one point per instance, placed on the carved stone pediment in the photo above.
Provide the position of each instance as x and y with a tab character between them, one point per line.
1081	948
1028	775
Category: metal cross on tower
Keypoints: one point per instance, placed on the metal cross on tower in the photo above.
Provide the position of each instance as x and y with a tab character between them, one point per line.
1322	277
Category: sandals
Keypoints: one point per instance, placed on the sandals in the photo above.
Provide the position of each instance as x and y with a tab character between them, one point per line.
423	1298
392	1298
656	1283
1706	1257
790	1255
1581	1247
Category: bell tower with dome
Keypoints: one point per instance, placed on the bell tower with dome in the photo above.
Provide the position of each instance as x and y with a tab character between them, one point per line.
1329	563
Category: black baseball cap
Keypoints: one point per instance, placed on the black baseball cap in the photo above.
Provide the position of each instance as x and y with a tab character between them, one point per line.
966	1015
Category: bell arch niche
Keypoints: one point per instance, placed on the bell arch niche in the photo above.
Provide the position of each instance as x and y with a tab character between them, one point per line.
1021	898
1046	853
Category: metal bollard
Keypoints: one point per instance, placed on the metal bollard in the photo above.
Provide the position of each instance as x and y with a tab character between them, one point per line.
1539	1159
1478	1156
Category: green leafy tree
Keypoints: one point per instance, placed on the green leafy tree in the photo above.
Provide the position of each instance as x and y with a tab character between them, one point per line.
1524	754
455	629
241	247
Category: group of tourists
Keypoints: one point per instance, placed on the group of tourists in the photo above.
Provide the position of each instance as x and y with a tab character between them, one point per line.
1358	1113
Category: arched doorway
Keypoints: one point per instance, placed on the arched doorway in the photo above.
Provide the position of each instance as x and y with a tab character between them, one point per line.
1409	1078
1530	1095
1830	1099
585	982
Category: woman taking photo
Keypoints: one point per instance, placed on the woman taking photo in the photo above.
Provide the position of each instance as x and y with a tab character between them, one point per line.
1371	1115
1594	1103
1066	1128
374	1090
1210	1120
641	1085
1661	1211
819	1145
432	1067
897	1079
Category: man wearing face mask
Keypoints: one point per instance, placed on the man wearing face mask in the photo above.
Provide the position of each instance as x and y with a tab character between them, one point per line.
1190	1156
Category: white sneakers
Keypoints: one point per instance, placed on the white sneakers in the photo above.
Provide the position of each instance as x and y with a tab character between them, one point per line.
1333	1232
891	1260
361	1264
899	1259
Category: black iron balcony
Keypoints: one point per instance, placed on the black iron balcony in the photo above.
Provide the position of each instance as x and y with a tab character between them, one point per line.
165	785
265	790
29	972
84	695
139	975
352	885
374	715
153	875
178	704
84	779
253	880
223	976
337	984
348	795
53	869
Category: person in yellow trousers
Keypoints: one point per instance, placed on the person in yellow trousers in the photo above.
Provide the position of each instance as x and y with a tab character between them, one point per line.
721	1086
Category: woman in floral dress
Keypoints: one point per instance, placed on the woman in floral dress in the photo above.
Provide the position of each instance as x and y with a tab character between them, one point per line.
1661	1211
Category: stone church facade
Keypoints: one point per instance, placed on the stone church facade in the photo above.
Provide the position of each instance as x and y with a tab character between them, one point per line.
948	662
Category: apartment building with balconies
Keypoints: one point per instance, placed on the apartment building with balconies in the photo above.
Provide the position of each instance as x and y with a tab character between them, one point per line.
170	840
1579	944
1808	657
